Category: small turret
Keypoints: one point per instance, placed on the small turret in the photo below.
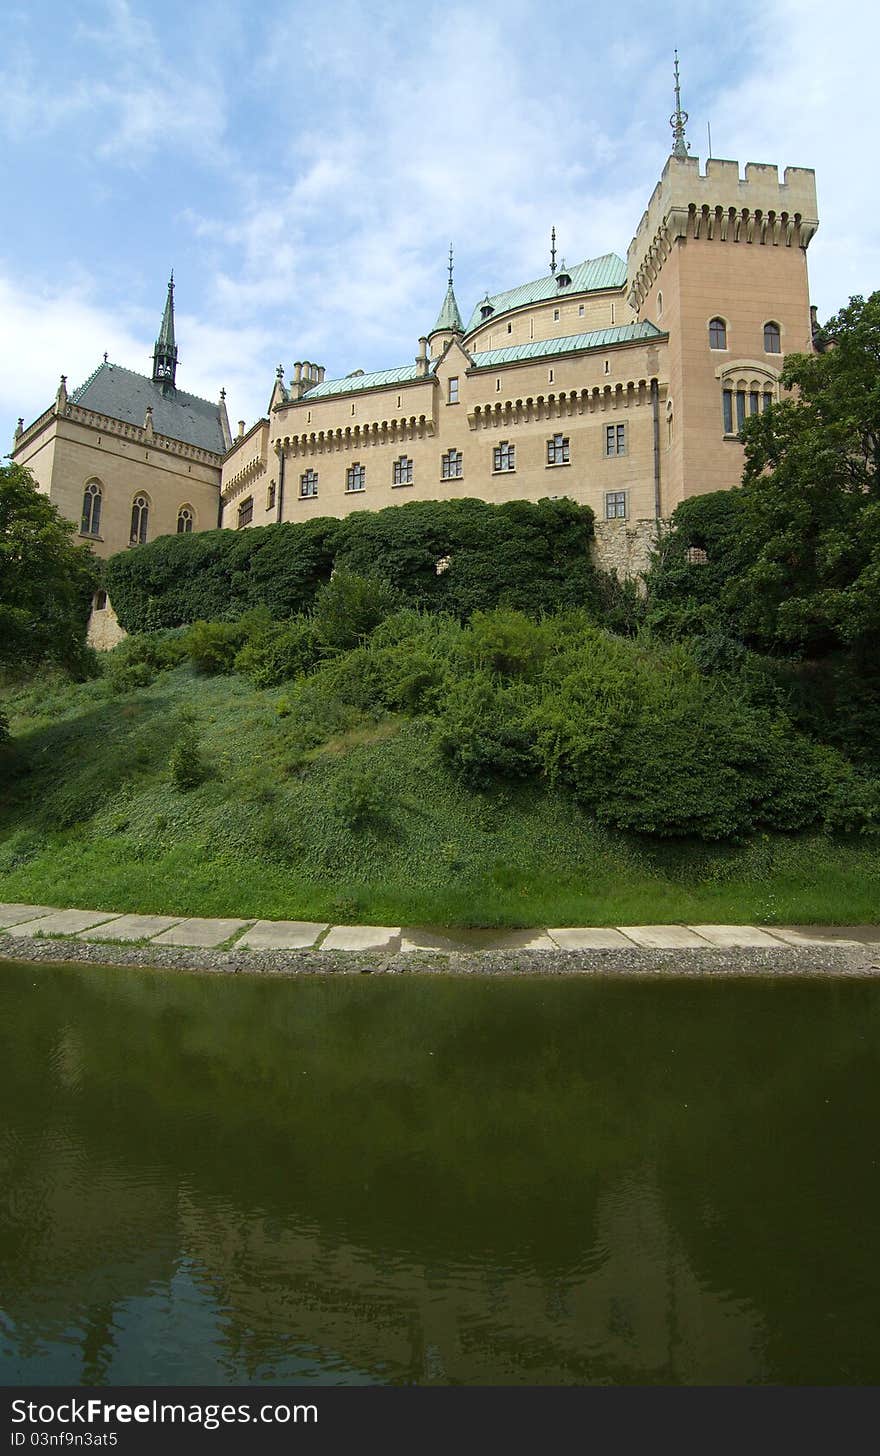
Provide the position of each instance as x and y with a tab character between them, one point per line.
449	324
61	396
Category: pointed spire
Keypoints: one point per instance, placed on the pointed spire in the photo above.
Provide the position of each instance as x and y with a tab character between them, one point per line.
553	250
165	352
449	317
678	120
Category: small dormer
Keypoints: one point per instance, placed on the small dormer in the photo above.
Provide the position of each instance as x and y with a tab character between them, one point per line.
563	277
486	308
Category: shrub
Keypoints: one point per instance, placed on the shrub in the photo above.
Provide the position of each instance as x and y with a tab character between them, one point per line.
507	643
483	733
348	607
279	652
186	764
355	797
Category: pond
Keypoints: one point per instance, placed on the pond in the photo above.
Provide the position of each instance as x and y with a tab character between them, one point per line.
437	1180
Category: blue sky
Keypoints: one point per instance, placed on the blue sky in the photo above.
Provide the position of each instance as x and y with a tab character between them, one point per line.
303	167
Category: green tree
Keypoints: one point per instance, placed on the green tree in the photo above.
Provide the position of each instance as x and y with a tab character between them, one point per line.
811	500
46	581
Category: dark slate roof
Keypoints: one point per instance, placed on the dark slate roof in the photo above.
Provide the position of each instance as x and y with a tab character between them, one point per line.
124	395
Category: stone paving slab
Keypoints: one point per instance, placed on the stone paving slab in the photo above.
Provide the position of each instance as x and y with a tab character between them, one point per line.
131	927
588	937
16	914
363	937
424	938
662	937
819	935
282	935
62	922
733	936
198	931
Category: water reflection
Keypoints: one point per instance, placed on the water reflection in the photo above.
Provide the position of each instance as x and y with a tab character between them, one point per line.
432	1180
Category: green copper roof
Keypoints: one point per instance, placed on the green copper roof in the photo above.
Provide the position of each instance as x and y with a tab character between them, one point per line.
609	271
351	382
449	316
542	348
165	341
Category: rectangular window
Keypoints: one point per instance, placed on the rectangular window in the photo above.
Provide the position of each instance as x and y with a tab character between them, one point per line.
453	390
740	410
615	439
308	484
510	328
727	400
557	450
403	471
549	376
356	477
270	497
246	512
451	465
556	315
504	457
615	505
580	310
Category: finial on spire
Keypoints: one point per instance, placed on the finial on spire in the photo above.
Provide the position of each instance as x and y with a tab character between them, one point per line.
450	265
105	356
165	352
553	250
678	120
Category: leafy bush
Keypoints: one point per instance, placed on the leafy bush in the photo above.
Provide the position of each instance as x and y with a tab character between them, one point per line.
186	764
483	733
348	607
507	643
355	797
279	652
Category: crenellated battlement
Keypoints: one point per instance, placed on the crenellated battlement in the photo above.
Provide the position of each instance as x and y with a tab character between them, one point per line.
720	205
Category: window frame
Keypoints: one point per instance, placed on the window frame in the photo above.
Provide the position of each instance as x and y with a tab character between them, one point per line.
308	484
504	458
447	472
558	450
355	472
616	440
92	503
772	328
615	499
245	513
402	472
717	324
141	504
187	514
452	390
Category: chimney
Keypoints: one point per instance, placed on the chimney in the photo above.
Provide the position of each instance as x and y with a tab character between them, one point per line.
422	357
240	430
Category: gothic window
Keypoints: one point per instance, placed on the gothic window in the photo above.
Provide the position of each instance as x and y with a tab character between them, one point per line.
246	512
740	410
727	400
615	439
140	512
717	334
768	399
615	505
504	457
754	401
453	390
451	465
91	511
184	520
772	339
403	471
558	450
308	484
356	478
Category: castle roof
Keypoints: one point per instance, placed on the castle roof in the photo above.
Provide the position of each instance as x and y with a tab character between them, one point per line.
449	316
609	271
571	344
632	333
124	395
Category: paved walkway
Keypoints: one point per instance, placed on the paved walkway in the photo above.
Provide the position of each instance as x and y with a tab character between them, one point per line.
101	927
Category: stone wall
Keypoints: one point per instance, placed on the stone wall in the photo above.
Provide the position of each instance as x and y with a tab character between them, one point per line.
104	630
624	547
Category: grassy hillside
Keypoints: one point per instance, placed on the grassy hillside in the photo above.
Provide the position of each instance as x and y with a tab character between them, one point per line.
366	823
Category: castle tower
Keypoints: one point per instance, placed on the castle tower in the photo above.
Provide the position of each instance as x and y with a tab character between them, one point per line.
449	325
719	262
165	351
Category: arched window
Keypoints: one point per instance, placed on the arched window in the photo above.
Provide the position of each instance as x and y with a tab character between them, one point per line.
91	511
717	334
184	520
140	512
772	339
659	305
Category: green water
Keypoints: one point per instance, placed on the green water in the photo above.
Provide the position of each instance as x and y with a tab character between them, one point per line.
437	1180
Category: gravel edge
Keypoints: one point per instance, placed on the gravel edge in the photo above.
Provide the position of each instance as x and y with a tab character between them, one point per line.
784	960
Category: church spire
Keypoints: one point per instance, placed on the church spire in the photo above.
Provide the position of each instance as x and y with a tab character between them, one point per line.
165	352
677	120
449	318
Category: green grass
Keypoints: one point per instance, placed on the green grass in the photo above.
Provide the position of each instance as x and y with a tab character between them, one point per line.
367	825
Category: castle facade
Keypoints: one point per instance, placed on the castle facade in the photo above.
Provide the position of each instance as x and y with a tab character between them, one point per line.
623	385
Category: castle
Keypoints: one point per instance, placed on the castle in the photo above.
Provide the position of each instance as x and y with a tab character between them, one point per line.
622	385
